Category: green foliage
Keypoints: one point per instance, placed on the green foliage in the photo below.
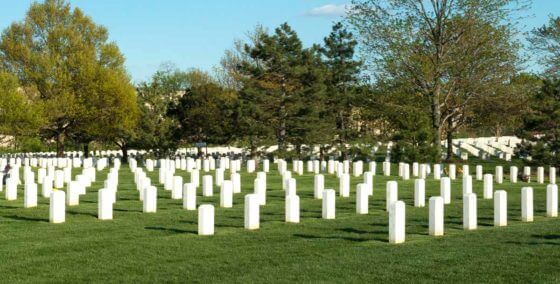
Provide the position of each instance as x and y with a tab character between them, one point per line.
448	52
281	87
19	116
66	58
541	126
501	112
546	40
204	114
155	127
342	79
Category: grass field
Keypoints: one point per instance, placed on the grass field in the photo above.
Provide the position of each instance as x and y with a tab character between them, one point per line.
165	247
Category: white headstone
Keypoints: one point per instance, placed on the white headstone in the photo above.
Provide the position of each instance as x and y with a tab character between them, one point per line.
437	171
150	199
189	196
527	204
207	186
292	208
469	211
329	206
344	185
540	175
292	187
252	214
479	172
362	199
260	190
499	174
419	193
488	187
57	207
500	208
513	174
206	220
467	184
58	179
30	195
177	190
105	204
73	193
392	194
226	194
452	171
552	200
436	216
397	223
47	186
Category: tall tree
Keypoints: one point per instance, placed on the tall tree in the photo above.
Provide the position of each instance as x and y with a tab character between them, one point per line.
342	80
439	48
280	74
62	54
155	127
117	111
204	112
546	40
541	126
248	116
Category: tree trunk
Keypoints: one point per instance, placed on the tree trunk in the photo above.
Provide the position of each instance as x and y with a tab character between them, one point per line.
321	153
436	121
86	150
498	131
449	141
253	152
59	145
282	136
124	149
342	135
282	127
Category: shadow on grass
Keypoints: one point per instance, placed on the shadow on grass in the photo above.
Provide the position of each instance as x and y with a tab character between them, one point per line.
21	218
547	237
82	213
352	239
125	210
9	207
171	230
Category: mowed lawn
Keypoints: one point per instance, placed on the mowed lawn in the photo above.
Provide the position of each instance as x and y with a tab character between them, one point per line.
165	247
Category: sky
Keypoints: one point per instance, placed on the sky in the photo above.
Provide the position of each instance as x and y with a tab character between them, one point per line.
195	33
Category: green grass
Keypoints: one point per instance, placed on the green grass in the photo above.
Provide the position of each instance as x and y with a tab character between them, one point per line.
165	247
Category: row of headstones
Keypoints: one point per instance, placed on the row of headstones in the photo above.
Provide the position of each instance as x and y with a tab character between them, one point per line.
395	207
189	164
53	182
187	191
405	170
48	180
100	163
107	196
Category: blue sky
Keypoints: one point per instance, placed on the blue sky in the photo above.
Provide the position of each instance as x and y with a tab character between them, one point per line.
193	33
